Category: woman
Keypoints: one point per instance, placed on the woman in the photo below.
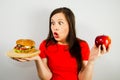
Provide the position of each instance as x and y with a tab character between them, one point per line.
63	56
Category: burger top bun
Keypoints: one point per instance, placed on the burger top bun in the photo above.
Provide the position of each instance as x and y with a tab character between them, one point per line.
25	42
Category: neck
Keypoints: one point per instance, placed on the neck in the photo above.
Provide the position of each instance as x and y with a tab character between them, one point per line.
63	43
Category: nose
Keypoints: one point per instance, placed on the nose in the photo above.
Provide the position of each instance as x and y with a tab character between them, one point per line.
55	27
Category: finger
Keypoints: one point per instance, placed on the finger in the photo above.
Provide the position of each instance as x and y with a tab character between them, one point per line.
14	58
28	59
108	49
99	50
99	47
95	46
22	60
104	49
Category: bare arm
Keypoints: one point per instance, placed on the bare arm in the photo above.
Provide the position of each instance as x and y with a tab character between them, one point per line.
42	68
87	71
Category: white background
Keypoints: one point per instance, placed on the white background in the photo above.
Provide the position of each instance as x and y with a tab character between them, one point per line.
29	19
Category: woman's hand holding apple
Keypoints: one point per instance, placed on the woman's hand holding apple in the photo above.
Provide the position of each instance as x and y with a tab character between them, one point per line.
102	46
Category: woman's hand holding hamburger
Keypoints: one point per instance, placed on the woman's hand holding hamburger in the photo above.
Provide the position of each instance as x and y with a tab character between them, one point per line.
34	58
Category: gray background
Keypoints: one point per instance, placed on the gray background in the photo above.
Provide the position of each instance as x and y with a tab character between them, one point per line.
29	19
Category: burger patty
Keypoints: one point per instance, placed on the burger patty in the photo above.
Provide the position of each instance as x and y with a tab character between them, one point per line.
21	48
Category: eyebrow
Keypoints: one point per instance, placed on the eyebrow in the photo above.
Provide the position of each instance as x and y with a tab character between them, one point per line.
58	19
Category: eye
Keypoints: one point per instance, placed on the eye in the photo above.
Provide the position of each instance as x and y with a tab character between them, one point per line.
60	22
52	23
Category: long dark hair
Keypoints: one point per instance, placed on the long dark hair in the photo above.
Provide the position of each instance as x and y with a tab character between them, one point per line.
74	47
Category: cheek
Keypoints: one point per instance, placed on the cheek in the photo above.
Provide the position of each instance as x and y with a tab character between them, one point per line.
52	29
64	32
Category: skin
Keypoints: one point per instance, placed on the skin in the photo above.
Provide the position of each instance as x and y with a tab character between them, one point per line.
60	26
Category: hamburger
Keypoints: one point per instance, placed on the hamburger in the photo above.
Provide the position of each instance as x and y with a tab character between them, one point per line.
24	46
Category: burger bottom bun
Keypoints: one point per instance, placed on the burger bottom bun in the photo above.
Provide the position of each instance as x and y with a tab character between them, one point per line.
13	54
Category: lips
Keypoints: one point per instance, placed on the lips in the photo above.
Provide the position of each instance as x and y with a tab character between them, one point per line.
56	35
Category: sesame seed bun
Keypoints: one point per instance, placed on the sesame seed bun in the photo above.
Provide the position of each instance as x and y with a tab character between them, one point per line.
25	42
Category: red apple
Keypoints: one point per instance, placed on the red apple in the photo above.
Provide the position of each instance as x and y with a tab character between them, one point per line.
103	40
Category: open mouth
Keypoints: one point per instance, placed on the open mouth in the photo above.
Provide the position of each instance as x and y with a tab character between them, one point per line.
56	35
